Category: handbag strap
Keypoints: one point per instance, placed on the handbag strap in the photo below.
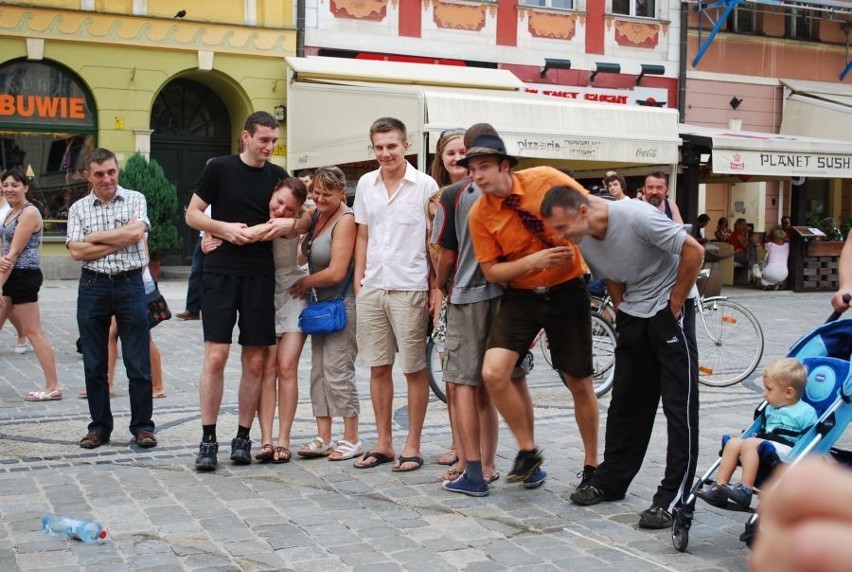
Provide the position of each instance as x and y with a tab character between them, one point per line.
350	276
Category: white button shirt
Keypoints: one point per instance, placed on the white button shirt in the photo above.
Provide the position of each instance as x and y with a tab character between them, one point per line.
396	227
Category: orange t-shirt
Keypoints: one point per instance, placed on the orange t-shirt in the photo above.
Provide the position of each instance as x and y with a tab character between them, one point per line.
500	236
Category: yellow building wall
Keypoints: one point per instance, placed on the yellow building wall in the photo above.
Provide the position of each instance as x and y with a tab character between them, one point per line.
270	13
145	54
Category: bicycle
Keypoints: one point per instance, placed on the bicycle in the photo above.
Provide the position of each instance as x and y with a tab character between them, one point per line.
603	358
729	338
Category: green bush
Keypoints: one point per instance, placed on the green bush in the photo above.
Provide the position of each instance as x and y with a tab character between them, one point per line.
148	178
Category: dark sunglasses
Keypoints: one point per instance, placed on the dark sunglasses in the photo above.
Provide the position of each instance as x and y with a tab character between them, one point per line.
456	131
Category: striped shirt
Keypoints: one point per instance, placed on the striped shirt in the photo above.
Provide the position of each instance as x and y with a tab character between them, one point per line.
91	214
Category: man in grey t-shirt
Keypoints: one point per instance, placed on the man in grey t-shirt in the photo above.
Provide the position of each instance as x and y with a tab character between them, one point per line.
650	264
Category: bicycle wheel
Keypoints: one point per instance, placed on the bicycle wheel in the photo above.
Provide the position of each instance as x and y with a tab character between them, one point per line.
603	354
730	341
603	308
543	346
434	370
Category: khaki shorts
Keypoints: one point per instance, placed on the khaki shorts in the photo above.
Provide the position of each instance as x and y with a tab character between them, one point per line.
391	320
468	326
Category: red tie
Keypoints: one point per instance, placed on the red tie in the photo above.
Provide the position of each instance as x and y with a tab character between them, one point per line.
530	221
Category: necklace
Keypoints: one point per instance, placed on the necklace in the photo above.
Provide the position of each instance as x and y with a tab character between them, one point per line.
317	231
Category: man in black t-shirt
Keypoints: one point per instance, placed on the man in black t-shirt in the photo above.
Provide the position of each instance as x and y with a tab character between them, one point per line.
238	282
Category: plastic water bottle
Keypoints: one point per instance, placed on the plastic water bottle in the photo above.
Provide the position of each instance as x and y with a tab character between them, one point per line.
72	528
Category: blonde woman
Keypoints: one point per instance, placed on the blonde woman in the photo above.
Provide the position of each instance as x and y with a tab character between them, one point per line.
329	248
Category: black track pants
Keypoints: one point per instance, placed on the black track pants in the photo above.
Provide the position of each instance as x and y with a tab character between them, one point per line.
656	357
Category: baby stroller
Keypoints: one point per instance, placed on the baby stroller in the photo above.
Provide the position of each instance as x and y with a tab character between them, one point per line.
825	352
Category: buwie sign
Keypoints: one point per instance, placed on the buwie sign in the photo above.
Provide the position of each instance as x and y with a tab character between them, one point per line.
38	94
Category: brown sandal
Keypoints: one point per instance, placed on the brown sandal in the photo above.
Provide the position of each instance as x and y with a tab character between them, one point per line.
281	455
266	453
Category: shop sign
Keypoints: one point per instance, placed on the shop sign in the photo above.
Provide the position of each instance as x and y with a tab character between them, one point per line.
744	162
34	93
647	96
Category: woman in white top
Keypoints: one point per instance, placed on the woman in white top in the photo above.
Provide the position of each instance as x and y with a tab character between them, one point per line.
774	269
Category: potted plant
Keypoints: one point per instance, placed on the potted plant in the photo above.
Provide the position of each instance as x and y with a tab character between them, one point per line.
148	178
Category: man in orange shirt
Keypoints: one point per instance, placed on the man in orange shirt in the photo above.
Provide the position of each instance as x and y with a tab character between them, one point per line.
544	275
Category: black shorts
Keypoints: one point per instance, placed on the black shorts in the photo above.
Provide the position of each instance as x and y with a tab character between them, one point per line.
564	311
23	285
252	297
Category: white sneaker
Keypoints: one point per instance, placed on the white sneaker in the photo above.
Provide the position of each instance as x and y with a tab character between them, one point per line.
22	348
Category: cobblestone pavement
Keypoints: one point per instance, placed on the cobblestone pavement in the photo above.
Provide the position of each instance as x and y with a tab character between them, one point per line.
317	515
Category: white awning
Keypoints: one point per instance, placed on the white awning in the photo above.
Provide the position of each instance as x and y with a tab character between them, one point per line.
755	153
331	108
817	109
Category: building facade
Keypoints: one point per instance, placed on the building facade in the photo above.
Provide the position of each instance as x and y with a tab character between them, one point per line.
173	83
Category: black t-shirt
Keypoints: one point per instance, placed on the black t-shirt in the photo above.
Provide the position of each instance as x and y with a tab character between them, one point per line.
239	193
449	198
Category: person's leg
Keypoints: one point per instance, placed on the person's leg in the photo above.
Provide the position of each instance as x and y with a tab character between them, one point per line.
730	457
268	396
467	427
251	360
488	429
21	336
212	382
569	333
377	349
288	351
513	405
30	318
112	354
632	409
156	370
679	392
131	315
193	287
750	461
93	319
337	395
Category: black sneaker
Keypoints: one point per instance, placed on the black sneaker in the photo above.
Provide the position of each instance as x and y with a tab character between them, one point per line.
585	475
655	517
241	451
588	494
526	462
206	459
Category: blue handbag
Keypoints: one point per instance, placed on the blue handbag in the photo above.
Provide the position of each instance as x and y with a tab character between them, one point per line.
322	318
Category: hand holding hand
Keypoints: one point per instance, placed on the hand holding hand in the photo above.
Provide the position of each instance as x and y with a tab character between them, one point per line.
237	233
210	243
299	289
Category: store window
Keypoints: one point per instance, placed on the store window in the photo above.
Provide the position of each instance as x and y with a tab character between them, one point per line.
47	125
559	4
801	24
640	8
743	19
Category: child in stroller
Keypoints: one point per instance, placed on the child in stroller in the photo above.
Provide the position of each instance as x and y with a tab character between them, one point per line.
784	420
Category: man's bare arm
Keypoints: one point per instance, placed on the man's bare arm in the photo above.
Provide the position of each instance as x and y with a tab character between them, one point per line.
444	265
844	274
233	232
504	272
131	233
691	258
83	251
361	239
616	292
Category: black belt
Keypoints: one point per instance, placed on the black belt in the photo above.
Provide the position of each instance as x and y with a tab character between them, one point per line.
117	276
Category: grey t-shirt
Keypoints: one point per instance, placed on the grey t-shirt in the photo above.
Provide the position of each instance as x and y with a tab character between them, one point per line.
450	231
641	250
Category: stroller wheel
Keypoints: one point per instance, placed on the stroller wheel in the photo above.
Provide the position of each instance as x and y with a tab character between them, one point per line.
680	531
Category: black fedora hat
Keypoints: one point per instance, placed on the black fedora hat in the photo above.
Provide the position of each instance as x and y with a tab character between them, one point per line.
486	145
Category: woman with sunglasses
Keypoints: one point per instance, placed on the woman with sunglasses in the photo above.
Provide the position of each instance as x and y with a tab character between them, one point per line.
329	248
281	369
21	278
